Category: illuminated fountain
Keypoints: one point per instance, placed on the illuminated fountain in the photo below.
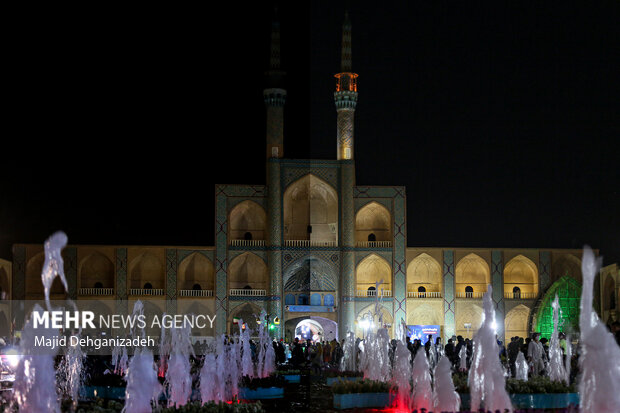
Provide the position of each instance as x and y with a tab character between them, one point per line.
445	397
557	370
487	383
600	355
522	367
178	374
401	371
422	393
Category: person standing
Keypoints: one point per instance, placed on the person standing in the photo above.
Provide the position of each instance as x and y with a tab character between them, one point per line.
535	355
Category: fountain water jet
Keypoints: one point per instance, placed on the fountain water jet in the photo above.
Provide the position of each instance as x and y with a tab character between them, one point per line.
557	371
445	397
178	375
487	383
422	392
522	367
600	354
401	371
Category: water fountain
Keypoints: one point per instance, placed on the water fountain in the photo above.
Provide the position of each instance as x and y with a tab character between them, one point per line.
143	387
178	374
486	379
556	369
349	358
401	371
600	355
422	393
522	367
445	397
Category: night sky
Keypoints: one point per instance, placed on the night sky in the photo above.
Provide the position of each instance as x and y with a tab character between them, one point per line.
502	121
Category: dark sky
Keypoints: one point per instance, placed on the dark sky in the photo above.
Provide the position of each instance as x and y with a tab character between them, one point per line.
502	121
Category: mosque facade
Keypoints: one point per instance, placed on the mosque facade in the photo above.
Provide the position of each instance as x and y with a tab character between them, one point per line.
315	250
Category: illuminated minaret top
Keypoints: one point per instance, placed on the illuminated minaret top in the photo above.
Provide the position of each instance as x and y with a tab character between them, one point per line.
345	95
275	96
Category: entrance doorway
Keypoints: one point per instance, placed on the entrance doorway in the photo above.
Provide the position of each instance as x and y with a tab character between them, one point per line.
309	330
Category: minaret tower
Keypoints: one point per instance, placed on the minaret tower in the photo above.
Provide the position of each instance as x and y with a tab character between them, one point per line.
346	95
346	99
275	97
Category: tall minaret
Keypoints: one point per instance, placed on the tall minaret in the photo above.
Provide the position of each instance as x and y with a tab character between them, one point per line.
275	96
346	98
346	95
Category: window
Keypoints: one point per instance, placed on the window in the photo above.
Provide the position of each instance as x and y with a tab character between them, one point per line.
98	284
422	292
148	286
516	292
196	287
469	292
247	236
372	237
372	292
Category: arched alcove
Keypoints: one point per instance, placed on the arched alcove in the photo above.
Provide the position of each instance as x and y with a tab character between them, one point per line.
34	285
247	221
147	268
515	322
98	269
474	272
373	222
521	272
247	314
568	291
370	271
468	320
566	265
310	210
310	274
368	320
424	271
195	272
245	270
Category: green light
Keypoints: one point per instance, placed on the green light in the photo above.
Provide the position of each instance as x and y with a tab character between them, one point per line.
271	326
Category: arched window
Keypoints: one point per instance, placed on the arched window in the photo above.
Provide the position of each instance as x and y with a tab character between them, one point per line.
247	287
372	237
98	284
516	292
422	292
469	292
302	299
196	287
328	300
289	299
148	286
371	292
247	236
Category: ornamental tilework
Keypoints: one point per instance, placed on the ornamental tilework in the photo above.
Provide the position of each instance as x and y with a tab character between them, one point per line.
221	264
234	201
497	282
544	270
327	171
448	294
121	273
248	191
171	281
399	263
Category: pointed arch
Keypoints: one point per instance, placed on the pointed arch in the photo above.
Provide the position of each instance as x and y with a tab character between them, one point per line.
145	269
247	312
568	291
96	268
424	271
245	218
310	274
516	321
247	270
472	271
310	210
521	272
196	270
566	265
380	316
468	320
372	270
373	222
